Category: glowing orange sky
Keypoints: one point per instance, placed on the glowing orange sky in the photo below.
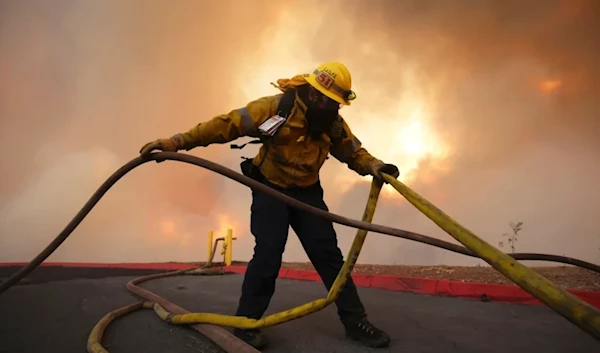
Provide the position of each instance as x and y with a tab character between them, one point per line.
493	121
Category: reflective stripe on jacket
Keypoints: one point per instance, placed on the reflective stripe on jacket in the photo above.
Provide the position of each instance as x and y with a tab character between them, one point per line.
294	159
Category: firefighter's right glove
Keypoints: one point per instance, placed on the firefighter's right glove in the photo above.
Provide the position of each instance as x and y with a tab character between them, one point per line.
165	145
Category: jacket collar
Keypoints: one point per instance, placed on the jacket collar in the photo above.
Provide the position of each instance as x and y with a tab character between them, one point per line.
300	104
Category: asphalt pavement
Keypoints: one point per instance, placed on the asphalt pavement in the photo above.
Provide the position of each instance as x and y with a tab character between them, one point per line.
54	310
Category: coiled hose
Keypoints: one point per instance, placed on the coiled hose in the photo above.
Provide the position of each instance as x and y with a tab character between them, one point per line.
580	313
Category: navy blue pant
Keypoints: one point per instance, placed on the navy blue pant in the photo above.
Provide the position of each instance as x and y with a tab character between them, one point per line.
269	223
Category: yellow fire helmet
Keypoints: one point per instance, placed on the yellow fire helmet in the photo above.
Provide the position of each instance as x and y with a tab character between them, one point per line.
333	80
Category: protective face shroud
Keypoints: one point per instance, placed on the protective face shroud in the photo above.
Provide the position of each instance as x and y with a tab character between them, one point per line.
322	111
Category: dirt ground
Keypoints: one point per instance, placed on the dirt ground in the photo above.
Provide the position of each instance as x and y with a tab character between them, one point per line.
565	276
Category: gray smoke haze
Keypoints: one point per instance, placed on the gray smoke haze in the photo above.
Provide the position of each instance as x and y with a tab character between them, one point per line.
510	89
521	150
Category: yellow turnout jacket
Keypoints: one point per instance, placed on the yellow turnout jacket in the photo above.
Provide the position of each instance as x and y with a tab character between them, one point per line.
293	159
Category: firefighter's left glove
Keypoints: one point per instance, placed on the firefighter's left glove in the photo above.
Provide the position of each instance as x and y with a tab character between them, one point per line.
388	169
165	145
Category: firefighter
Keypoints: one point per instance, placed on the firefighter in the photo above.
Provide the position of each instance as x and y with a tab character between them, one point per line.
289	161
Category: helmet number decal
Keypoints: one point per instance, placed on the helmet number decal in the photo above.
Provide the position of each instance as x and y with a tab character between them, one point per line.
324	79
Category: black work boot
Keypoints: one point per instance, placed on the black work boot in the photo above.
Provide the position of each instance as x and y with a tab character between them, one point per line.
366	333
253	337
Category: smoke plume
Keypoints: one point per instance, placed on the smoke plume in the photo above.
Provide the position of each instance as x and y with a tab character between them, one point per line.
490	109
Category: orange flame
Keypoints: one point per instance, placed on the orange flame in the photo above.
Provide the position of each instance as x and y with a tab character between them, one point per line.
172	232
168	227
226	222
550	86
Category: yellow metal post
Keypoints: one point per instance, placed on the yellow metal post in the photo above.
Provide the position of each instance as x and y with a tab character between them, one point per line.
228	247
210	247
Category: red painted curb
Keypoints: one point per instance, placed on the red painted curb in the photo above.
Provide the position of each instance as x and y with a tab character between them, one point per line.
472	290
493	292
147	266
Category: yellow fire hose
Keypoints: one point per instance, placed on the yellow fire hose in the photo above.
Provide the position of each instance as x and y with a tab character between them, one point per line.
576	311
294	313
94	341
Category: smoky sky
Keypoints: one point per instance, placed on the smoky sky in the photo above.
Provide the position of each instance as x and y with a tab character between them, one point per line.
512	88
520	153
85	85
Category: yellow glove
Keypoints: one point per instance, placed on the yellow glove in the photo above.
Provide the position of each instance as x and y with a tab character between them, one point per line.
165	145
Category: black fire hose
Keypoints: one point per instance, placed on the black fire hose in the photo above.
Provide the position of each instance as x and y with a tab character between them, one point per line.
255	185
